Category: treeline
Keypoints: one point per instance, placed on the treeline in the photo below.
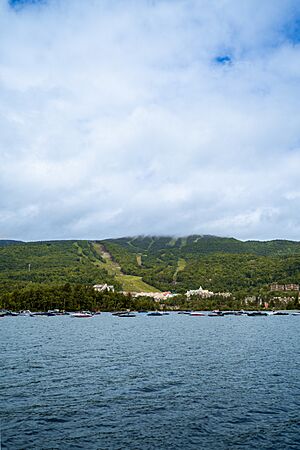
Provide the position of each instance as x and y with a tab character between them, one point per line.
233	303
205	244
70	298
43	297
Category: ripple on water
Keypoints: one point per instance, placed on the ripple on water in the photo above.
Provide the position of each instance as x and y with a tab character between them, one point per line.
174	383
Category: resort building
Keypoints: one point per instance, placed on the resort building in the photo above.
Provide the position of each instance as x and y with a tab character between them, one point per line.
204	293
104	287
284	287
157	296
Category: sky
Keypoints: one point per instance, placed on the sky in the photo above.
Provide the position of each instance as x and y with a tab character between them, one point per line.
149	117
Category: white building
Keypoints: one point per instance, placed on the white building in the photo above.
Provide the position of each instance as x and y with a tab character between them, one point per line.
104	287
204	293
157	296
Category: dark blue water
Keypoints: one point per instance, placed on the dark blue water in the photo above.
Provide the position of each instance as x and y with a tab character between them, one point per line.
172	382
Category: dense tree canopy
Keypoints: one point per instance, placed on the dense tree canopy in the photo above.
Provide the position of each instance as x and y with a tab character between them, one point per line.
61	273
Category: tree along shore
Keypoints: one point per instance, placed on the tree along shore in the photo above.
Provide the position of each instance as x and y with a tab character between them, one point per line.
43	297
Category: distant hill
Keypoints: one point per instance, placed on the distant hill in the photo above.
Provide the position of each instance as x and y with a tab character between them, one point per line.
216	263
153	263
5	242
207	244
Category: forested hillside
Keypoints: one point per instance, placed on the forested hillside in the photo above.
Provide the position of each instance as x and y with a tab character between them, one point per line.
51	263
218	264
149	263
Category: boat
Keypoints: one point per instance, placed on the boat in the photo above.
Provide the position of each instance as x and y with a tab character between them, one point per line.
196	313
155	313
278	313
257	314
296	314
5	312
215	314
82	314
12	313
26	312
126	314
40	314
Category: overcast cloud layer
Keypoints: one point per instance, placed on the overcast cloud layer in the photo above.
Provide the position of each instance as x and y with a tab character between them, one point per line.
150	117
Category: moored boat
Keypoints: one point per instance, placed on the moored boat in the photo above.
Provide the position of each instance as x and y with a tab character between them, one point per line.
278	313
26	312
155	313
40	314
82	314
257	314
126	314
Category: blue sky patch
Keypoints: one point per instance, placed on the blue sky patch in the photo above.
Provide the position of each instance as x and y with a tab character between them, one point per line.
21	3
292	31
223	59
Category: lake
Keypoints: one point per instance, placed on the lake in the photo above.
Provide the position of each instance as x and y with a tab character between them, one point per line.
170	382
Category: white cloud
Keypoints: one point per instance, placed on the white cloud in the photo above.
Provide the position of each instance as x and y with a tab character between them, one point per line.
116	119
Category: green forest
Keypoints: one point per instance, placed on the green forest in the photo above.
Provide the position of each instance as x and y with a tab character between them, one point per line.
61	274
217	264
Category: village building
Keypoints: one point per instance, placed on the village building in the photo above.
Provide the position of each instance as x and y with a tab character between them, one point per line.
284	287
157	296
203	293
104	287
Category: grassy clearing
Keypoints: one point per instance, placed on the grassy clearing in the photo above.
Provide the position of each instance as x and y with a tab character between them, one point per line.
183	242
129	283
107	263
180	266
172	242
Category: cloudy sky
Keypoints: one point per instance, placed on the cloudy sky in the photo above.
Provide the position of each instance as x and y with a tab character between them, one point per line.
125	117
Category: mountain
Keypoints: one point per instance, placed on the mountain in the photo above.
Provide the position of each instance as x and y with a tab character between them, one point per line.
216	263
5	242
149	263
207	244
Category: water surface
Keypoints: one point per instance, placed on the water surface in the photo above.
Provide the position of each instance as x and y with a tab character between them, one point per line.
171	382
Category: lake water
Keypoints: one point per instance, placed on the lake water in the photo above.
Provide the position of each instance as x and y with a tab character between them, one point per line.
171	382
